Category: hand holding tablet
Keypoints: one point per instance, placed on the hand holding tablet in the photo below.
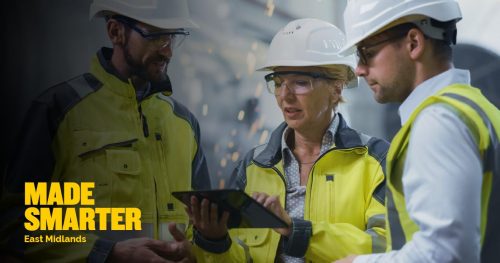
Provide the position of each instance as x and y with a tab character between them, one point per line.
244	211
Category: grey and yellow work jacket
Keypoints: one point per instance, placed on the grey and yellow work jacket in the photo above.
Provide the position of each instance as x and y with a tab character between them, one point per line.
343	210
92	128
483	120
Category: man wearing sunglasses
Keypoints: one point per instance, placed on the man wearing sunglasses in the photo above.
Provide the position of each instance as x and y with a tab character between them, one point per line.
118	127
320	176
443	167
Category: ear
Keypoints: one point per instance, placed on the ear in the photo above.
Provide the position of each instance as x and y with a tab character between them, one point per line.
337	87
116	32
416	45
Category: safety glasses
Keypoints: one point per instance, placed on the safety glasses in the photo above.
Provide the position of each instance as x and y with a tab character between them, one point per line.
364	54
297	82
158	39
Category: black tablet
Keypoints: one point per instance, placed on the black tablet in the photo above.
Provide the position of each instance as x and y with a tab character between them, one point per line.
244	211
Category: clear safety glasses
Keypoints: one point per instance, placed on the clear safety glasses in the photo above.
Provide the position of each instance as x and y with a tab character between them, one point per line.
297	82
158	39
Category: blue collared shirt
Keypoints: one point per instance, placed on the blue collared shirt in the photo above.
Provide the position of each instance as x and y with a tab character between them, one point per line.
296	193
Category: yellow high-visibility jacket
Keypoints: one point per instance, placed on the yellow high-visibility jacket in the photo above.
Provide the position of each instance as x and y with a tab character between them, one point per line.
483	120
92	128
343	211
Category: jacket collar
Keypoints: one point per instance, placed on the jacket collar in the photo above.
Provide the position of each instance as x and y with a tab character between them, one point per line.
105	72
345	138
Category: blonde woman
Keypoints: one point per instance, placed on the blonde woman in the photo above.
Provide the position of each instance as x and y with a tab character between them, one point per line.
323	178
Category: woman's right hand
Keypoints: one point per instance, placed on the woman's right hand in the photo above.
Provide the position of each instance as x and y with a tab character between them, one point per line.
204	216
273	203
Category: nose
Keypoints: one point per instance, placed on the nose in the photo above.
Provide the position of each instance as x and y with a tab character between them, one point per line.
361	70
285	91
166	51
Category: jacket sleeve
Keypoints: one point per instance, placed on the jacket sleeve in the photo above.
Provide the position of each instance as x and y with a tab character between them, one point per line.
220	251
31	160
200	178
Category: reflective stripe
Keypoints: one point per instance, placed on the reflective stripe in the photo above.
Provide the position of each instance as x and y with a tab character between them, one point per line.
378	241
81	86
491	162
165	235
398	238
493	149
246	249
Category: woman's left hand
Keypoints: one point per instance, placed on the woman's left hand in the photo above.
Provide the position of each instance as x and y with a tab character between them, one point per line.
273	203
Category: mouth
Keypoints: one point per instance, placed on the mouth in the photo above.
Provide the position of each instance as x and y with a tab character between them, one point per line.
372	85
291	111
160	63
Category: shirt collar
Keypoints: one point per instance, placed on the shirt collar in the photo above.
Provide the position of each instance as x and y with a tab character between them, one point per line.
430	87
332	129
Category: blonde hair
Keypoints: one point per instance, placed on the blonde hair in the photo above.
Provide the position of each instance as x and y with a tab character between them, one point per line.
341	73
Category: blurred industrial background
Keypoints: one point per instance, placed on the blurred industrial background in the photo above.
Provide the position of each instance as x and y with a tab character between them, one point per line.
45	42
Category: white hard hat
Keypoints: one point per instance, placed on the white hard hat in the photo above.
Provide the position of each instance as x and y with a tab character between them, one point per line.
308	42
363	18
162	14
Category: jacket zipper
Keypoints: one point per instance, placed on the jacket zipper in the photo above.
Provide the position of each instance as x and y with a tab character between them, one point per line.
144	122
284	182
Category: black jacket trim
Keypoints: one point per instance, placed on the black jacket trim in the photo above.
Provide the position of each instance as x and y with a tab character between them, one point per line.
100	251
213	246
298	242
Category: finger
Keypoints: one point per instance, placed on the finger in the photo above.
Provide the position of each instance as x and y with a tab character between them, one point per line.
176	233
225	218
269	203
204	215
159	247
260	197
172	250
195	209
213	214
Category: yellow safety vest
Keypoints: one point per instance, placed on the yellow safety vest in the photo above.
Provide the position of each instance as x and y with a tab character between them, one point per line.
483	120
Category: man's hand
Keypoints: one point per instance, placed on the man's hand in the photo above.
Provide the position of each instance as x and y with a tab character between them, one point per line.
205	218
348	259
151	250
180	248
273	203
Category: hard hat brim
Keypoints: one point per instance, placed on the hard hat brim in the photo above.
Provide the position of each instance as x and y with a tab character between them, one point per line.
299	63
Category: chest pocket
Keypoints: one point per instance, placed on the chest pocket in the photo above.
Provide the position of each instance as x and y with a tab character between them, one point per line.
109	159
261	242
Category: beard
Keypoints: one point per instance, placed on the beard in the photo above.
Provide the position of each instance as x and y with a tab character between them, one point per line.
398	88
148	70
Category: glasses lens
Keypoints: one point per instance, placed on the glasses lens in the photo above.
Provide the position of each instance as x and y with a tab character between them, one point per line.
171	40
296	84
177	40
301	84
273	85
